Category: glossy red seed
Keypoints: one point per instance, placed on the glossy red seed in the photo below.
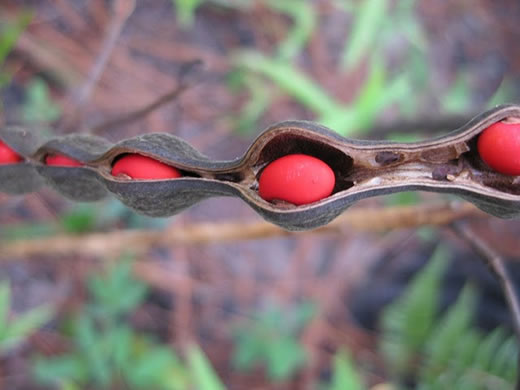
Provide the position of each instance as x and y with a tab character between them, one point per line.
138	166
62	161
297	179
8	155
499	147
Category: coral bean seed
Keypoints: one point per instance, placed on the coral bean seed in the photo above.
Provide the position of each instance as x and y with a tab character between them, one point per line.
8	155
296	178
62	161
137	166
499	147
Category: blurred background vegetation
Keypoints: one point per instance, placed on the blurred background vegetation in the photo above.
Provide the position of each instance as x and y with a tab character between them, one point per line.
349	310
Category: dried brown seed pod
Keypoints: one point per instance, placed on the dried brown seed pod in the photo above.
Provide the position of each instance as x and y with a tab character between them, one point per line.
448	164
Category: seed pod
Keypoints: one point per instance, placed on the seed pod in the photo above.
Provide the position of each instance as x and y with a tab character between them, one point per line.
22	177
161	198
448	164
78	183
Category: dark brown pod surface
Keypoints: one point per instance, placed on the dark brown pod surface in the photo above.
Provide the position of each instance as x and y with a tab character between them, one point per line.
448	164
19	178
76	183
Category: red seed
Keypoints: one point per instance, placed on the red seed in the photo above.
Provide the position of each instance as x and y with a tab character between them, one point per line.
62	161
297	179
138	166
8	155
499	147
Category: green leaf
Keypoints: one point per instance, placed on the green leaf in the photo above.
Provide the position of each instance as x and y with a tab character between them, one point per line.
5	299
186	11
504	362
24	231
370	94
10	32
367	24
486	352
39	106
465	351
5	77
149	370
93	347
504	94
403	198
408	321
118	292
272	340
203	374
301	315
155	366
451	328
374	96
404	137
121	337
248	349
259	99
69	386
345	375
24	325
292	81
132	298
80	220
65	368
284	358
458	98
304	18
377	94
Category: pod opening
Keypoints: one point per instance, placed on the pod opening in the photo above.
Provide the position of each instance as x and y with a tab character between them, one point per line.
61	160
136	166
487	175
286	144
234	177
8	155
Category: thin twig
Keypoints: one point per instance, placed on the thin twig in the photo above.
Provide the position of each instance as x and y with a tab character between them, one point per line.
497	266
112	243
122	11
142	112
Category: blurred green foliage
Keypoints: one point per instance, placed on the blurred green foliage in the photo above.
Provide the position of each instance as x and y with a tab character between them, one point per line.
204	376
408	321
402	198
186	10
368	19
272	341
13	331
39	107
444	351
379	91
107	352
375	28
82	218
344	374
438	351
9	33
